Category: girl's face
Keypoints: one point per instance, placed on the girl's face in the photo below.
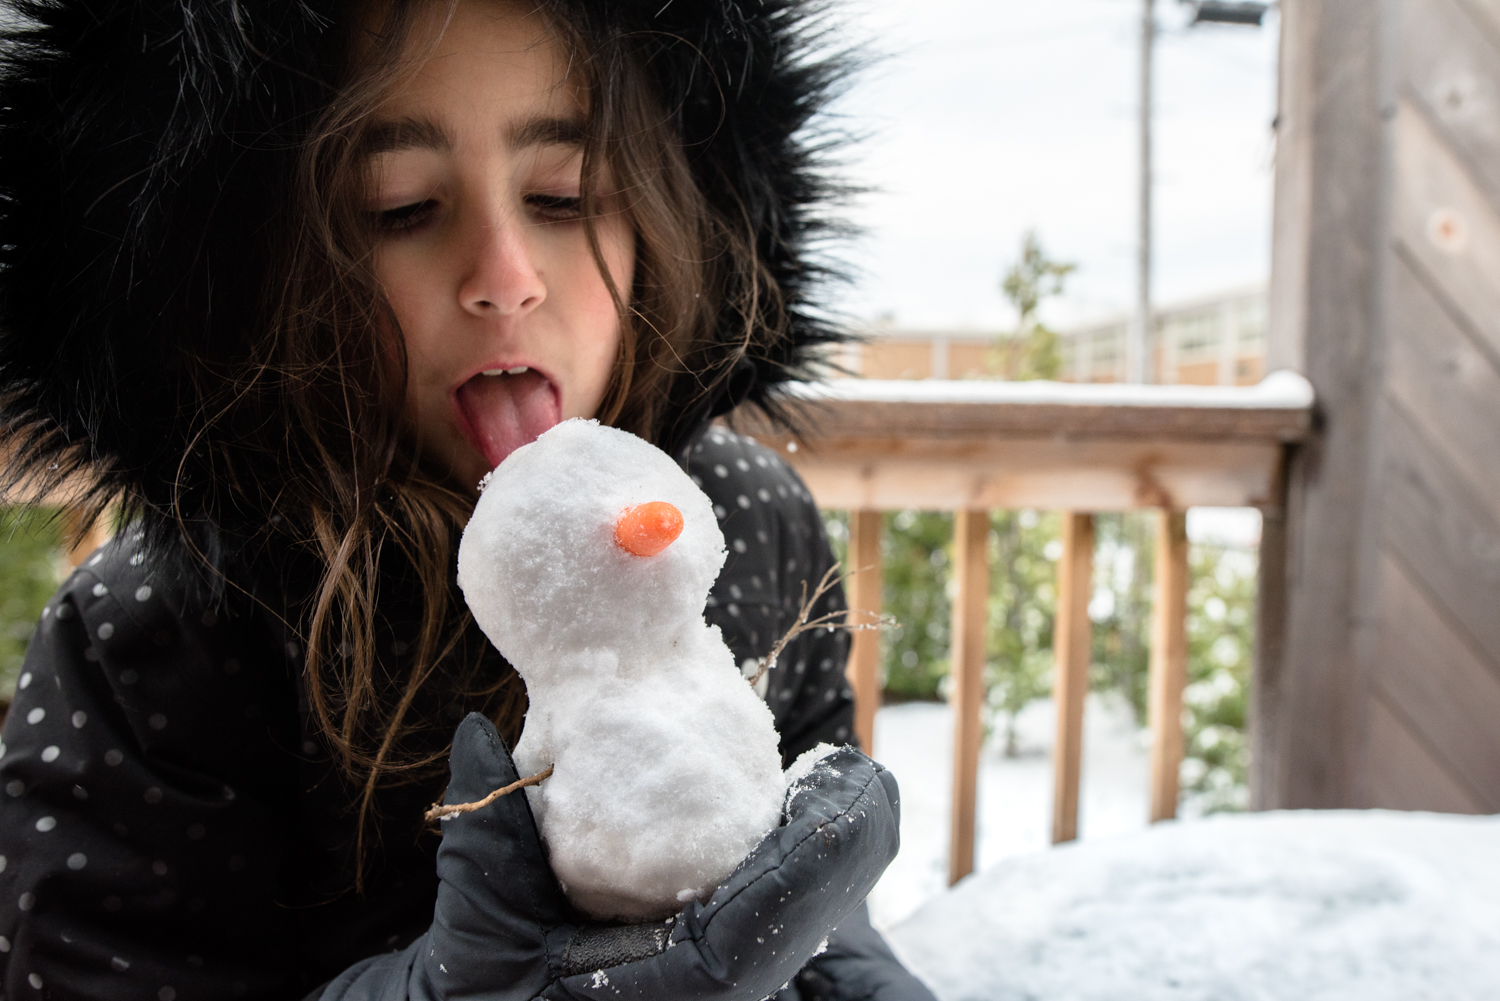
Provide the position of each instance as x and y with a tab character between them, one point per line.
508	323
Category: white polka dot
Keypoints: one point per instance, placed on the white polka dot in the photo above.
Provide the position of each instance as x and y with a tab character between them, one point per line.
25	681
79	718
91	654
2	748
3	863
100	590
15	787
292	650
739	545
721	472
50	753
113	757
45	824
152	795
46	611
143	593
167	993
159	867
157	721
743	501
93	562
106	630
137	559
64	611
4	944
744	466
35	979
79	792
733	609
26	902
36	715
119	965
719	512
77	861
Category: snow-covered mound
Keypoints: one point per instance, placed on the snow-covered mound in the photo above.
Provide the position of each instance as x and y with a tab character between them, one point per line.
1367	905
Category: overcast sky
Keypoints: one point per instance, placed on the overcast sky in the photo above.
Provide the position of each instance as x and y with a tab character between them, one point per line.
989	117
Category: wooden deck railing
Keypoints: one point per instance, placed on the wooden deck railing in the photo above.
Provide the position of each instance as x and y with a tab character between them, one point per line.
970	447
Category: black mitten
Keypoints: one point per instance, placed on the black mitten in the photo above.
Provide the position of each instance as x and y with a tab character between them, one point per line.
503	930
859	966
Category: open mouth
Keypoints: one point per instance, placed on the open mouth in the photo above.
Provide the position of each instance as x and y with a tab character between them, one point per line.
505	408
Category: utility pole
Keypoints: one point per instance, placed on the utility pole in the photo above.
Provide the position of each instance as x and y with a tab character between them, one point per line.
1138	344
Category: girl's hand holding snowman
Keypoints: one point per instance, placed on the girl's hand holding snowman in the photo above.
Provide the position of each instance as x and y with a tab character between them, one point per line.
502	928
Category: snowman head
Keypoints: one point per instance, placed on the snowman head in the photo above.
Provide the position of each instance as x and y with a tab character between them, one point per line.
572	548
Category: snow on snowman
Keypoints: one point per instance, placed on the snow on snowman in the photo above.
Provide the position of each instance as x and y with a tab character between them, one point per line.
588	562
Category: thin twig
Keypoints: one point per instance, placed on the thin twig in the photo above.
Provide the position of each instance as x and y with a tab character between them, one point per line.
846	618
438	811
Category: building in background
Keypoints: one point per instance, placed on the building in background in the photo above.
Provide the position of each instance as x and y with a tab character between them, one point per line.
1214	340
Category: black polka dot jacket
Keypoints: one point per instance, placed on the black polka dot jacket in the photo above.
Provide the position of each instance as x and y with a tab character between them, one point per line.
171	826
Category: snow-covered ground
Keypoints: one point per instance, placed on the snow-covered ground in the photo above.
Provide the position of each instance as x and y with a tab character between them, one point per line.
1363	906
915	741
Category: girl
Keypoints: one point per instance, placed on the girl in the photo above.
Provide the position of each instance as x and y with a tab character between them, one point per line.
283	280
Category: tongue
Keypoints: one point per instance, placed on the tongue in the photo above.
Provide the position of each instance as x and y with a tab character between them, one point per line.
507	411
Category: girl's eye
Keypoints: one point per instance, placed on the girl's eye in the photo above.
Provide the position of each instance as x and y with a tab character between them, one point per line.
556	208
404	217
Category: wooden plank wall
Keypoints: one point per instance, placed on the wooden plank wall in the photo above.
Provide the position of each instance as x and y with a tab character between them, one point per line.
1379	668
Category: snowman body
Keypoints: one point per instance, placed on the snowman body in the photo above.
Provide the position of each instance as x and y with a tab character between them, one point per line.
666	770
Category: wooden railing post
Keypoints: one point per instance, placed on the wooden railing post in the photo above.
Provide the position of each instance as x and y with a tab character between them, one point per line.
1072	645
865	585
1168	661
966	656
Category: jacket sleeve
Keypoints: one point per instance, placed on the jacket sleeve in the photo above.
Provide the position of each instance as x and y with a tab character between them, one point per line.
777	544
132	865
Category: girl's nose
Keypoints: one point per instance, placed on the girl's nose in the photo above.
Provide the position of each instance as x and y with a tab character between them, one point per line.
502	279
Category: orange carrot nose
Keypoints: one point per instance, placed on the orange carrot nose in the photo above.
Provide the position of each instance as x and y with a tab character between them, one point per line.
648	528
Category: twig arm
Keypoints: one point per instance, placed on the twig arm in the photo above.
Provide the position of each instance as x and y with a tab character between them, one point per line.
438	811
852	619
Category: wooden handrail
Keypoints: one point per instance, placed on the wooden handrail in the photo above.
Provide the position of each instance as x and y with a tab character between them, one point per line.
973	446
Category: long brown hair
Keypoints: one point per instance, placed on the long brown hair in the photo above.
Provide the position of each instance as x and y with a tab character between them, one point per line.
369	501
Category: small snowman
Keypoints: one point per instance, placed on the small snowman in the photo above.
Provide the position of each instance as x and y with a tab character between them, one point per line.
588	562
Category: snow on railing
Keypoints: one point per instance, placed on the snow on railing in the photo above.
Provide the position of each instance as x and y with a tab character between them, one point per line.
970	446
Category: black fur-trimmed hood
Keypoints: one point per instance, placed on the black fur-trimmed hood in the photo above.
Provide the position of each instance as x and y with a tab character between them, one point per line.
141	147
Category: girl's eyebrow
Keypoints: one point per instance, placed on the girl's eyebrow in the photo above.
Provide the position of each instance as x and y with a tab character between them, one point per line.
543	130
406	133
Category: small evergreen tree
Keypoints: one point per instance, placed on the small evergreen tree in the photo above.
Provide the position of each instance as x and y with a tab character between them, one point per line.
1030	282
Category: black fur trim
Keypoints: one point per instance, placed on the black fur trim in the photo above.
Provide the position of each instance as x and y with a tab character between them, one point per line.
141	147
